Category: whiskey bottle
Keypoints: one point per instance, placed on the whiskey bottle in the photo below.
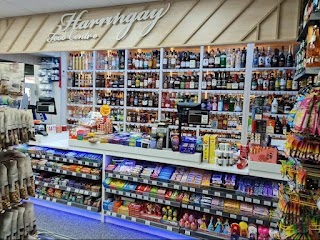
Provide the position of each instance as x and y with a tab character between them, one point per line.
204	82
219	81
282	58
214	81
272	82
283	81
289	59
262	58
223	59
275	58
268	58
206	60
217	59
165	60
229	59
211	59
254	83
241	82
243	58
256	58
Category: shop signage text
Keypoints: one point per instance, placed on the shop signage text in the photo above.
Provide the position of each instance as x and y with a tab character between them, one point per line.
73	28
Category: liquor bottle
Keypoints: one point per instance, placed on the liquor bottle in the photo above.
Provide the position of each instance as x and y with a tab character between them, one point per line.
204	82
214	104
262	58
268	58
231	104
206	60
192	60
283	81
274	106
122	60
188	81
177	83
229	59
165	60
241	81
277	82
219	81
223	59
275	58
214	123
282	58
260	82
272	82
256	58
289	59
209	82
217	59
238	58
254	82
211	59
214	81
235	82
192	85
223	81
233	58
278	126
295	85
265	82
229	82
220	104
243	58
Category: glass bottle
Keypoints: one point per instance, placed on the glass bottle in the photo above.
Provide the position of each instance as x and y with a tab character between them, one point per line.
223	59
282	58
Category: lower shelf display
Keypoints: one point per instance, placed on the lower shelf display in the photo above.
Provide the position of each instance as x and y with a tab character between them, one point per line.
65	202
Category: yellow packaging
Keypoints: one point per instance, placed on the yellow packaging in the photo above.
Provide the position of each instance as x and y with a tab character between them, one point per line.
206	148
213	146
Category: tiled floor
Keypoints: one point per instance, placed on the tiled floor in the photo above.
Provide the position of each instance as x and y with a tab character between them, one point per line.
77	227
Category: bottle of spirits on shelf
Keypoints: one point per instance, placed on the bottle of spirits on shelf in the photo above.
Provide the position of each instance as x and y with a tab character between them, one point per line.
268	58
313	58
206	60
272	82
261	58
275	58
278	126
265	84
254	82
211	59
255	63
241	82
274	106
217	59
229	59
223	59
283	81
277	82
282	58
243	58
289	59
239	59
260	82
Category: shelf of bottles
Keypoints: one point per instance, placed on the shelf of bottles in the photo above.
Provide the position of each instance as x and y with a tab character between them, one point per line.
143	86
273	88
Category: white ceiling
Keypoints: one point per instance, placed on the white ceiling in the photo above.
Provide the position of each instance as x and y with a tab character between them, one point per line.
13	8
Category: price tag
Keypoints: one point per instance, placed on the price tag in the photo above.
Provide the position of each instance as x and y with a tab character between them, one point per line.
133	219
135	179
95	177
41	197
145	198
169	228
57	186
147	223
274	225
117	176
50	169
229	196
81	163
54	200
184	205
205	191
192	189
275	204
69	203
50	157
58	171
139	196
145	181
123	216
176	186
83	175
45	184
247	199
133	195
206	210
114	214
244	219
63	159
190	207
152	199
89	208
217	194
154	182
167	202
233	216
37	156
184	188
165	184
127	194
68	189
219	213
64	172
81	191
197	208
77	190
47	198
187	233
86	192
33	155
57	158
120	193
240	198
260	222
267	203
70	161
125	177
160	201
74	174
256	201
41	168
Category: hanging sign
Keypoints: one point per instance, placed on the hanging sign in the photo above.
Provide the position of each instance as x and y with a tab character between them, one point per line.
73	27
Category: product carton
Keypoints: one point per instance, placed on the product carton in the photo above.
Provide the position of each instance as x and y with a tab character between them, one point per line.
213	147
206	148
